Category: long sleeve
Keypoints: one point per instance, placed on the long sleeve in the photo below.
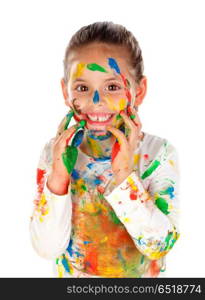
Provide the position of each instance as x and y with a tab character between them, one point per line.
151	216
50	223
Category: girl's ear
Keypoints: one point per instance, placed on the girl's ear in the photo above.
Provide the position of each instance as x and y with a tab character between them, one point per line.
141	91
65	91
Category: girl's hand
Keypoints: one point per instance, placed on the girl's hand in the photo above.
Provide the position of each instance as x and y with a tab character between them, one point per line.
59	178
124	148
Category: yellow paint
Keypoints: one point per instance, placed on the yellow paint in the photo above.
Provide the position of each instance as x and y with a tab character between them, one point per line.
79	70
104	239
96	149
42	200
136	158
61	271
171	162
126	220
132	183
116	105
110	271
122	104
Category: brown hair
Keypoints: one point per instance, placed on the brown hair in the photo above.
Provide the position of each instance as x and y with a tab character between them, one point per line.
109	33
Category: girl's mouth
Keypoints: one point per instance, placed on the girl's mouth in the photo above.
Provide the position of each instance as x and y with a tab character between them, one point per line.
99	118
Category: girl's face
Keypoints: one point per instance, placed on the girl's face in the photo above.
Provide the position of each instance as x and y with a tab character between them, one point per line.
100	85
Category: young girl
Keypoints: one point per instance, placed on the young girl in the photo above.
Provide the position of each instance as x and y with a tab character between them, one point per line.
107	192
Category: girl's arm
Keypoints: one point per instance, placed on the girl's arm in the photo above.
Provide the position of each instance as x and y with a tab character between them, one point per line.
50	223
151	217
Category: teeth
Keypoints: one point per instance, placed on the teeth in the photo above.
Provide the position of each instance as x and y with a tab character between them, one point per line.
99	118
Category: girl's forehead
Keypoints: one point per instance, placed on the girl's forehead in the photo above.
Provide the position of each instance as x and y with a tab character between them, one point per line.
105	56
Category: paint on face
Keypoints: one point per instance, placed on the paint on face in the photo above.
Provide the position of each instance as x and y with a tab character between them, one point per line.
96	67
116	105
96	97
113	65
76	106
79	70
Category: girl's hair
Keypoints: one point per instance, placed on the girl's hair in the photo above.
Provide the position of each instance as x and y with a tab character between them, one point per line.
109	33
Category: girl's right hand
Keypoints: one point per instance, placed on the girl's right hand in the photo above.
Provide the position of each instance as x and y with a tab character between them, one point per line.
59	178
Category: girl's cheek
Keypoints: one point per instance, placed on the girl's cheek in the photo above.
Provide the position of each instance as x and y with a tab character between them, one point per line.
116	104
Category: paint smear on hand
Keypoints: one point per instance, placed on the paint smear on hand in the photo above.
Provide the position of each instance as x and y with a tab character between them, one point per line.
96	67
115	150
96	97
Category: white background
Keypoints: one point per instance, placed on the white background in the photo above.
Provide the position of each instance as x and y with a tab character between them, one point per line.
33	38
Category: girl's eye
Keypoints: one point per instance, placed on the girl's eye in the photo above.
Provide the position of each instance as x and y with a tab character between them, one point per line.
113	87
82	88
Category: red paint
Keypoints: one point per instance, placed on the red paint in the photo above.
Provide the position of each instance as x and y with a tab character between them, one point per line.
133	195
91	260
128	95
40	174
146	156
124	79
100	189
154	268
101	177
68	139
115	150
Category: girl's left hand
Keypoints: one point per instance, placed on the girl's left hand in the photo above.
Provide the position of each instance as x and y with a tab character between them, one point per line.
124	148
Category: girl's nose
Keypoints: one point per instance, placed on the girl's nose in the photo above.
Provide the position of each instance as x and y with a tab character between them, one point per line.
96	97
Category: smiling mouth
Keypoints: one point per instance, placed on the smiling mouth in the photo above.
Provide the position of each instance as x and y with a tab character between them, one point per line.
99	118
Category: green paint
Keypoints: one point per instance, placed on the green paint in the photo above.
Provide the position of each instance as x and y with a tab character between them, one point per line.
57	259
69	158
83	187
121	258
162	205
96	67
142	259
69	117
151	169
114	217
168	237
81	124
73	191
118	117
101	197
132	117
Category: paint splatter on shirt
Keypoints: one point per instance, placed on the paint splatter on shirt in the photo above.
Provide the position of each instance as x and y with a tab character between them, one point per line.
100	230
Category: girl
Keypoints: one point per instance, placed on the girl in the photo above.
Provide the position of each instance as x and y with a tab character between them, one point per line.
107	192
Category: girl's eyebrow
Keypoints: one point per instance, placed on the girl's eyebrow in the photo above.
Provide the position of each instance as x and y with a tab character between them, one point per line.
108	79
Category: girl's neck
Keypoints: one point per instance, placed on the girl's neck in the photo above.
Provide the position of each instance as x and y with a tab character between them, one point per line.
97	146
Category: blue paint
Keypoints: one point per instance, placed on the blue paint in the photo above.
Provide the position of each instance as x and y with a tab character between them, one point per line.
69	249
97	181
78	138
86	242
78	254
113	65
75	174
65	264
105	158
96	97
92	135
90	165
170	191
